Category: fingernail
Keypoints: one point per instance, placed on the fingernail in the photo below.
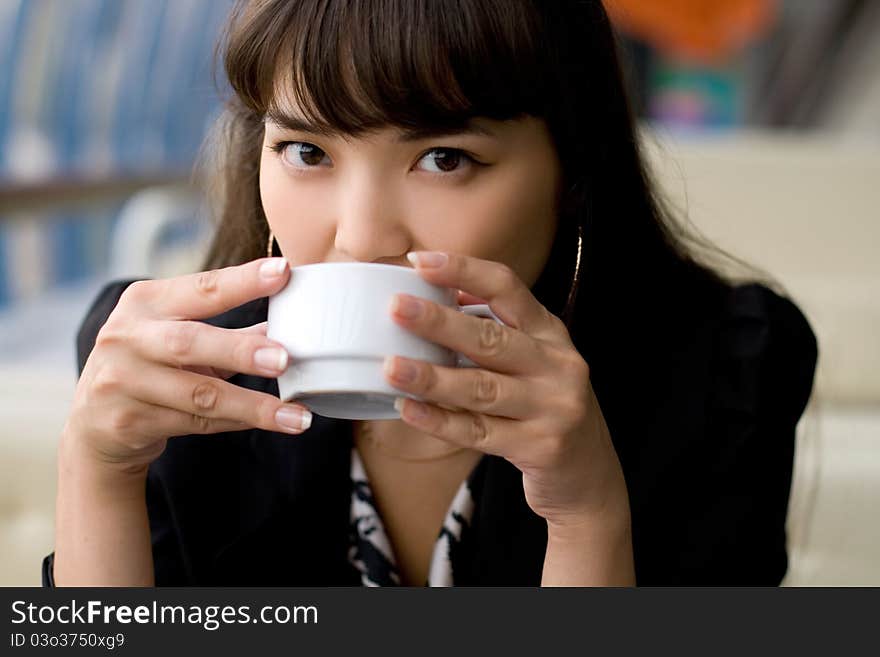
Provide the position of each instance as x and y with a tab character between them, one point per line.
273	268
271	358
398	405
416	409
427	258
293	418
401	370
406	306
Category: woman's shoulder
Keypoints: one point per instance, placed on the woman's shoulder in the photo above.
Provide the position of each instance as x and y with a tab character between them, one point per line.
757	301
766	349
726	352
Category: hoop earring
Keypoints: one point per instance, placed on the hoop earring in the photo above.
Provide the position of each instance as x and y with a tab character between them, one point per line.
270	244
572	291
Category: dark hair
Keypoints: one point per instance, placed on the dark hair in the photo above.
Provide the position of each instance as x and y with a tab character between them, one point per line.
356	66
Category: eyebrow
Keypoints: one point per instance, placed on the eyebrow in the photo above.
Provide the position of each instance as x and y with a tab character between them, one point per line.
407	135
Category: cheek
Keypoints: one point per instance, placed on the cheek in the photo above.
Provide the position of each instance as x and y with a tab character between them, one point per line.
272	190
521	203
292	215
529	236
512	218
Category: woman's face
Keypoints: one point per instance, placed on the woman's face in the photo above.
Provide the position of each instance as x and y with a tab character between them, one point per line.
490	192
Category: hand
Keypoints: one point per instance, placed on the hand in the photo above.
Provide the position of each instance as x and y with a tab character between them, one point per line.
529	400
154	374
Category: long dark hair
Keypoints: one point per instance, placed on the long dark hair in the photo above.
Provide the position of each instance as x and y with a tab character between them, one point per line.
355	66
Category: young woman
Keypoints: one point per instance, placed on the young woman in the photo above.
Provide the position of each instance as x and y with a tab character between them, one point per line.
633	422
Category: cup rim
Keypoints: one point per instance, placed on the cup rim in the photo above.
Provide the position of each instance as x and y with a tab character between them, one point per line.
375	265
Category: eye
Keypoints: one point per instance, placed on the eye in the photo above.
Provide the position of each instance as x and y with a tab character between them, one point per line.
299	154
447	160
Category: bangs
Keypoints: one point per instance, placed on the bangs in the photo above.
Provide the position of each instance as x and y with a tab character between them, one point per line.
352	67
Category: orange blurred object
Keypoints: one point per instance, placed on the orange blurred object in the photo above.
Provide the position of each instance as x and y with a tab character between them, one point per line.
705	30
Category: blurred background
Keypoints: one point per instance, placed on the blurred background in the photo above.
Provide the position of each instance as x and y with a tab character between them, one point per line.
760	118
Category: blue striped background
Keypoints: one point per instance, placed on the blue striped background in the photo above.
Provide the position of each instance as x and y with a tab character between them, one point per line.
101	86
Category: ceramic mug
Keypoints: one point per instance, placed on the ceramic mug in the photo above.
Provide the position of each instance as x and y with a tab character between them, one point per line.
334	320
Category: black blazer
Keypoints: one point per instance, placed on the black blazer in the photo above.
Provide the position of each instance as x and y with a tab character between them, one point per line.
707	457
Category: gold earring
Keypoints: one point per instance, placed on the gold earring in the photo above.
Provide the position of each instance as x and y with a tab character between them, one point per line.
569	303
269	245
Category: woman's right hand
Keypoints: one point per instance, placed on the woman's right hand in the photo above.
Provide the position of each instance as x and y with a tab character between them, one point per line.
155	373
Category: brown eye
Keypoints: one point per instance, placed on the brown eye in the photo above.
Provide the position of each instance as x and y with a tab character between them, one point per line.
445	159
302	154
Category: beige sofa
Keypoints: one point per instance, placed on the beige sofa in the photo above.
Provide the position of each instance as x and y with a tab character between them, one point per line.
806	209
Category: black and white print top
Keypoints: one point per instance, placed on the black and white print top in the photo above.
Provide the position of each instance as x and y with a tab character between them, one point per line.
370	550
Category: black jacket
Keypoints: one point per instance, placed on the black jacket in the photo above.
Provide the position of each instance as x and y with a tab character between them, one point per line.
708	464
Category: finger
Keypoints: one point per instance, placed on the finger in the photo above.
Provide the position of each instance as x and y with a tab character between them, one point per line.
472	389
258	329
486	433
196	394
208	293
465	299
505	293
193	344
163	421
483	340
216	372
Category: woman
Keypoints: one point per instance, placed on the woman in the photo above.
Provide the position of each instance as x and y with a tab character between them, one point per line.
632	424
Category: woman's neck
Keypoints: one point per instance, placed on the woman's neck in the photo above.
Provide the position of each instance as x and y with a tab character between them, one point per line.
397	440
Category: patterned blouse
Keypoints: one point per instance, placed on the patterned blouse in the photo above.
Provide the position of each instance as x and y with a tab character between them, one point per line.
370	550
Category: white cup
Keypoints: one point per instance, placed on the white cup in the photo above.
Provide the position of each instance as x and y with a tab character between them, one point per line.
334	320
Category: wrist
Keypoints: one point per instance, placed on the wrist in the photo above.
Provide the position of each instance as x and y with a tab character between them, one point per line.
608	518
78	457
593	552
589	528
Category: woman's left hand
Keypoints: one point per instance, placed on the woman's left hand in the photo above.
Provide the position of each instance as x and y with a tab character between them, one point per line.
528	400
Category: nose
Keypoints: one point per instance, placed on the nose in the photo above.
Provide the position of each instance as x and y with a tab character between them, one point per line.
370	225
